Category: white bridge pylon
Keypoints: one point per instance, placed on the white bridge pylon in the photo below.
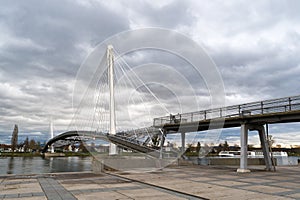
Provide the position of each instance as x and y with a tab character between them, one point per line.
51	135
112	124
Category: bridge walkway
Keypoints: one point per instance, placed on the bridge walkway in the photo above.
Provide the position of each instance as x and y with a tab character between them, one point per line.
124	139
282	110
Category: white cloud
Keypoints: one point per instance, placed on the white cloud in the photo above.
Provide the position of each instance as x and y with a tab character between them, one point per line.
254	45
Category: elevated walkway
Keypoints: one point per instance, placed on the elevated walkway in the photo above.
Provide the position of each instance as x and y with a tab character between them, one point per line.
282	110
250	117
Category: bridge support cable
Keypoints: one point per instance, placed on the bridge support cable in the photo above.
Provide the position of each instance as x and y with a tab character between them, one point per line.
128	80
134	83
140	82
84	116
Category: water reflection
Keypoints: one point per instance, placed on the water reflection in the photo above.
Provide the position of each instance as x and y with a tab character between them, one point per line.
37	165
10	165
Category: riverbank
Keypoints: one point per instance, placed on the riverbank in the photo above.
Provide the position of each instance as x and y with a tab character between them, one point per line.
37	154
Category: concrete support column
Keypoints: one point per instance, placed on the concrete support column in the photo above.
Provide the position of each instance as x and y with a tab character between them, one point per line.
244	149
162	141
265	145
182	143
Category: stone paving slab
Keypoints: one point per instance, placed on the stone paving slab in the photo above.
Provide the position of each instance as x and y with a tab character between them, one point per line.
227	184
171	183
54	190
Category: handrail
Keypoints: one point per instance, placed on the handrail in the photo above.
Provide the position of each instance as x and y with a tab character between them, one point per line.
285	104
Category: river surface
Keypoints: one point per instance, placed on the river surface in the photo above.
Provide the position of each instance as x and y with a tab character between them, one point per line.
38	165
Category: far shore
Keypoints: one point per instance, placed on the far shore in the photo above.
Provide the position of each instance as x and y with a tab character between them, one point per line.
38	154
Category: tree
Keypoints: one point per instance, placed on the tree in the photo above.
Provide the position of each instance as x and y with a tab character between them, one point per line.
38	145
205	150
226	146
14	138
236	145
82	147
198	147
271	140
189	148
26	144
32	144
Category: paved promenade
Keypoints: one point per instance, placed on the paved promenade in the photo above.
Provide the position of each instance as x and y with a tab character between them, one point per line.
186	182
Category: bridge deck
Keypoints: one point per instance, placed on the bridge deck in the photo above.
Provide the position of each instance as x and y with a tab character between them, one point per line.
281	110
120	140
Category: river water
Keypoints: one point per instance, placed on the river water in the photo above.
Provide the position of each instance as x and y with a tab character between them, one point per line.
38	165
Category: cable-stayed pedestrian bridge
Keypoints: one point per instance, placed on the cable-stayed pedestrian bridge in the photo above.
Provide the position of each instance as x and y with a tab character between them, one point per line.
110	87
249	116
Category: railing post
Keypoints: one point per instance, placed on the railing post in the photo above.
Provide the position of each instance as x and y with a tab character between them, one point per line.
220	112
290	104
239	109
204	114
192	115
262	107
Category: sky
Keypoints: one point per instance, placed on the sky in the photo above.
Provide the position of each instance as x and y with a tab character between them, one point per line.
255	46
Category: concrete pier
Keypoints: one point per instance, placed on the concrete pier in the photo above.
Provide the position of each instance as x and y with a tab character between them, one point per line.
244	149
185	182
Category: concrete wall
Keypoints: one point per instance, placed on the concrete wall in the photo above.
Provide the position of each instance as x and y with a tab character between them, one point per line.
232	161
125	164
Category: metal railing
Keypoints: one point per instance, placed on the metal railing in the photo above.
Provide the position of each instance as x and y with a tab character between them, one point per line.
286	104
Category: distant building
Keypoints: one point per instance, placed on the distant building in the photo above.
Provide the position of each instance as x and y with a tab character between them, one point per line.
5	148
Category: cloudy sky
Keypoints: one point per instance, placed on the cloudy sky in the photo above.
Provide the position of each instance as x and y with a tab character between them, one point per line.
256	47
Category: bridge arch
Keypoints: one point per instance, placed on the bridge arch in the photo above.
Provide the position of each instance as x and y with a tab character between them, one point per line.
67	134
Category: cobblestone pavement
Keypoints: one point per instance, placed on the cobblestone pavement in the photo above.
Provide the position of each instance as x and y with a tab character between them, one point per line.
186	182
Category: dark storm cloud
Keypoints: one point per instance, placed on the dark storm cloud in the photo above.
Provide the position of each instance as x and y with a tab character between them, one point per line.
47	35
255	46
42	44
